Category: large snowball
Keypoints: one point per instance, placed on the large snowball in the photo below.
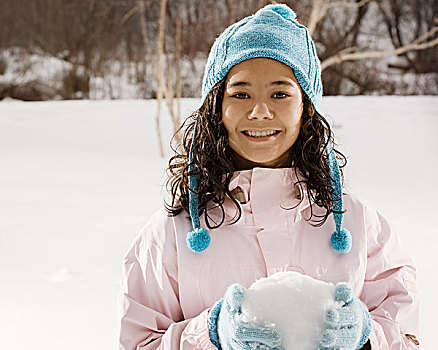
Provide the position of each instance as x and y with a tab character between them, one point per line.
293	304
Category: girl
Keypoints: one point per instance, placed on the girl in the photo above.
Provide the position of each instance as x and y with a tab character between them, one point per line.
256	189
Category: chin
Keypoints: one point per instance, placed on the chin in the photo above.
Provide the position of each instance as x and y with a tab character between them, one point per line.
264	162
243	160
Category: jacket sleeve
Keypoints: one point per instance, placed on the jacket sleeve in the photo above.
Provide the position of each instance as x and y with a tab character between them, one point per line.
149	312
390	290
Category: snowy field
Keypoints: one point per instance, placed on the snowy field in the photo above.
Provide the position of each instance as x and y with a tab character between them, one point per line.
79	179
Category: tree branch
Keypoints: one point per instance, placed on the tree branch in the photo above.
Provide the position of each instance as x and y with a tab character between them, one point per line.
315	16
130	13
133	11
427	34
345	55
346	4
320	8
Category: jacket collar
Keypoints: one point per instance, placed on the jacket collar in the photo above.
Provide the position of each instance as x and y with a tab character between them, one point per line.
274	177
277	186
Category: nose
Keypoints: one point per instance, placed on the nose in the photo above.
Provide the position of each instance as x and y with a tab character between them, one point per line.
261	111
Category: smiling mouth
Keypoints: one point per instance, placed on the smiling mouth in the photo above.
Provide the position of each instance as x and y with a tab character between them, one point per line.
260	136
268	134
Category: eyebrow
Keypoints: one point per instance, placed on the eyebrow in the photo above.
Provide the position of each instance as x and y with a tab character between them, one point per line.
274	83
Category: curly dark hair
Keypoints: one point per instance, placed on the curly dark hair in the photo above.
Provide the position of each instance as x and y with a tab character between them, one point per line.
212	160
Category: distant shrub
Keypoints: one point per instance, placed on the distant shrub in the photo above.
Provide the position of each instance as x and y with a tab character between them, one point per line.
3	65
76	84
33	90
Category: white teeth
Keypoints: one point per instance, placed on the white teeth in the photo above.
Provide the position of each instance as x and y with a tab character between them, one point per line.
260	133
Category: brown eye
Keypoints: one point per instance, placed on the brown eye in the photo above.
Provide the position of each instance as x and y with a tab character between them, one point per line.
280	95
240	96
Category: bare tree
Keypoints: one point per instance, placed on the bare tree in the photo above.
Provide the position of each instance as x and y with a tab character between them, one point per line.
405	23
319	11
357	41
178	65
159	71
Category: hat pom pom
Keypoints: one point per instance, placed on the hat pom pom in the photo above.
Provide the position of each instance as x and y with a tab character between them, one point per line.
341	241
284	11
198	240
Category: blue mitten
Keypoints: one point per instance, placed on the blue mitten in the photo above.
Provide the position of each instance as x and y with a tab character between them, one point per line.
348	326
228	332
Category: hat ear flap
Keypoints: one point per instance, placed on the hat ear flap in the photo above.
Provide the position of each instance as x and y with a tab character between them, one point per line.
341	240
199	239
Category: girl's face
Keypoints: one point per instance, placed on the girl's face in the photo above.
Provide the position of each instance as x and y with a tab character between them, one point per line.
261	111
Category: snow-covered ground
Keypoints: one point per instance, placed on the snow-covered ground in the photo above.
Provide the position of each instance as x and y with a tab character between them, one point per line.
79	179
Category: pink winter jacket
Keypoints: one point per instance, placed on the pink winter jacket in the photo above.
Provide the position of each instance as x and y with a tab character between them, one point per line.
168	290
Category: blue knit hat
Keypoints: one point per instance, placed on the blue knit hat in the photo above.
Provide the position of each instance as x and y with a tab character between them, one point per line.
272	32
